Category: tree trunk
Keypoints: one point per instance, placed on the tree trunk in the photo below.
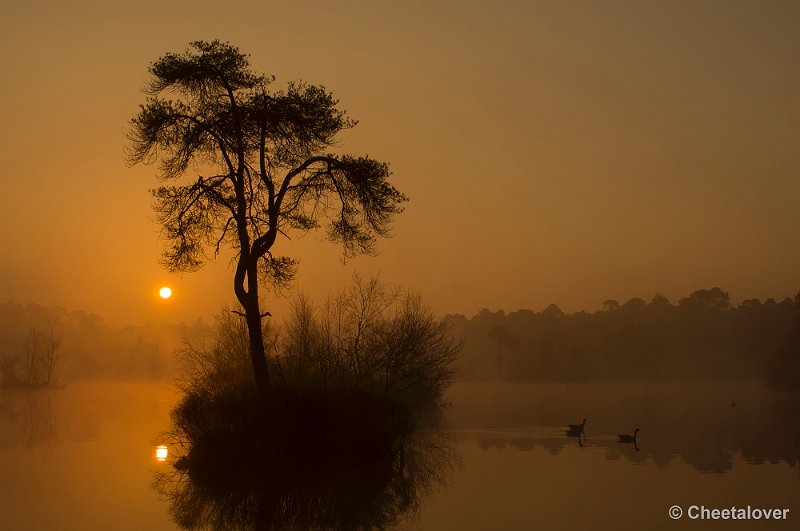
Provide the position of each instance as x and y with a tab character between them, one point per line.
258	356
252	311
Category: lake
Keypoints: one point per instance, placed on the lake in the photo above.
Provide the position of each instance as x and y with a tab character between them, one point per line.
85	457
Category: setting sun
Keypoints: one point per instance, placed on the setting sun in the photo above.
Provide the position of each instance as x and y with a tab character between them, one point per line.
161	453
165	293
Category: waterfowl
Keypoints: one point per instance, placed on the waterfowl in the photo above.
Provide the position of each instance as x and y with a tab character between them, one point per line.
629	438
577	430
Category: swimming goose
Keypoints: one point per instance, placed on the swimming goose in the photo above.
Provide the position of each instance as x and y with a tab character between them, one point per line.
577	430
629	438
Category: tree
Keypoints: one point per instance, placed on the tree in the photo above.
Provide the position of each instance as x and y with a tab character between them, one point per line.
713	299
40	356
267	172
504	339
610	305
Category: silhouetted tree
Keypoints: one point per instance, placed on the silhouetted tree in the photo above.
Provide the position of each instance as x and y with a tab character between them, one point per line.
660	303
713	299
504	339
553	311
610	305
268	171
40	356
634	305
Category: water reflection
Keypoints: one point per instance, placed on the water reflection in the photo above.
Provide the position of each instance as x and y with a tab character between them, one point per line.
27	419
37	418
339	492
692	423
520	468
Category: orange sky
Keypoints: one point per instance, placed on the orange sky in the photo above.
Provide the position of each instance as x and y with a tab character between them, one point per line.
564	152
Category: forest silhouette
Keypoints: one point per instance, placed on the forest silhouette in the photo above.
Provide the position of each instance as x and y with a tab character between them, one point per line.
702	338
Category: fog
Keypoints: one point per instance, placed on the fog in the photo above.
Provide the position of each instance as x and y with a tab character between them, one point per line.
90	349
552	153
588	299
701	337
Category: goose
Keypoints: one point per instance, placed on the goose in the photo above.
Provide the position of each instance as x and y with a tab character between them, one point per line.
629	438
577	430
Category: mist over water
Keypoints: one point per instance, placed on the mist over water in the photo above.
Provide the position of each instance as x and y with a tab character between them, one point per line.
82	457
630	409
85	456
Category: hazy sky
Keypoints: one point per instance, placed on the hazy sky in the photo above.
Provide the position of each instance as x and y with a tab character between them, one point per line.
564	152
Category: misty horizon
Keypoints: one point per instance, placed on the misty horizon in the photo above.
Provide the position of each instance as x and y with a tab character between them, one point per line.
446	265
633	149
702	336
288	300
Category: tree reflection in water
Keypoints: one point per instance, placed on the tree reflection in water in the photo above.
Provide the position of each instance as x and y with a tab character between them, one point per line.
206	495
316	488
27	419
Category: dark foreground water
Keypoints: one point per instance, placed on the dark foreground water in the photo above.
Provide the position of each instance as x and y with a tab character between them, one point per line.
85	457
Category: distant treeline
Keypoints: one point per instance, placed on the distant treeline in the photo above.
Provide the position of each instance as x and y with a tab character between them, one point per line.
90	349
703	338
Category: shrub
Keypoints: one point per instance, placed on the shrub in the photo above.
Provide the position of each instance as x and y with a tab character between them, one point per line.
380	341
332	443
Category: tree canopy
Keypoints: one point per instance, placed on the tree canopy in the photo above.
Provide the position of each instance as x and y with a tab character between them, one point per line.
269	170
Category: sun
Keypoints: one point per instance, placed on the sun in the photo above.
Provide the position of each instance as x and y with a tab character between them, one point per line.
162	451
165	293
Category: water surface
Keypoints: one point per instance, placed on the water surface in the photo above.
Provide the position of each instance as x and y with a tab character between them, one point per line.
84	457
